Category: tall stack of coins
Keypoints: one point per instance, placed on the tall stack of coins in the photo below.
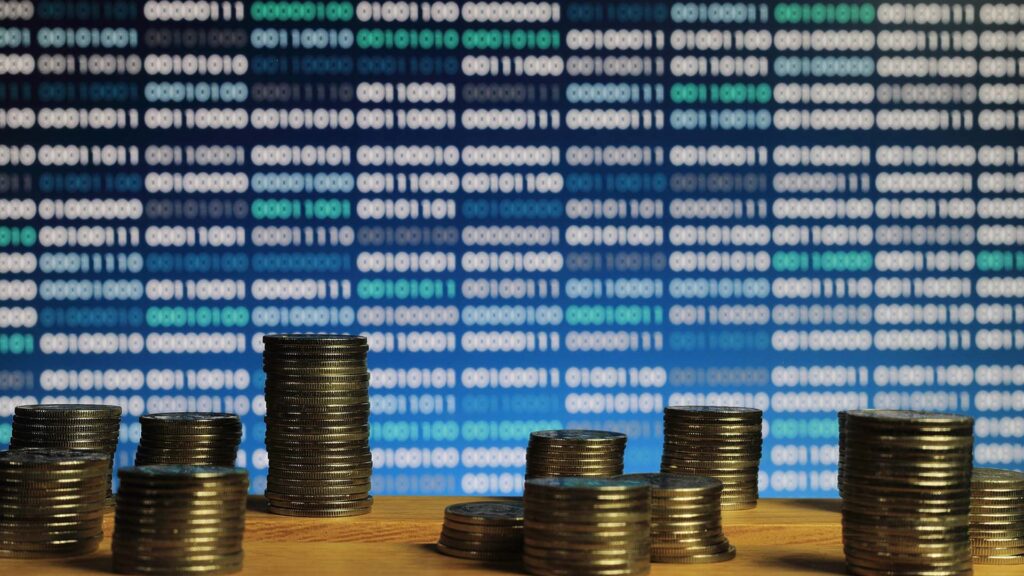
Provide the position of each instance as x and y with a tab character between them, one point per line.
686	519
491	531
841	417
189	438
553	453
51	502
579	526
179	520
88	427
907	492
997	516
318	406
717	441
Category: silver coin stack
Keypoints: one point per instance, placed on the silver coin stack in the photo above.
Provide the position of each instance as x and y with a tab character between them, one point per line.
907	493
587	526
318	407
717	441
686	519
594	453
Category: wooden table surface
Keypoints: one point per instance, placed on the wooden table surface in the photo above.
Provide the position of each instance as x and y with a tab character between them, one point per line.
779	537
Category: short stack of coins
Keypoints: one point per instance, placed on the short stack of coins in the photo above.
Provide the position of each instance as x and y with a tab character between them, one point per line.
587	526
997	516
318	406
580	453
717	441
51	502
686	519
490	531
179	520
89	427
189	439
907	493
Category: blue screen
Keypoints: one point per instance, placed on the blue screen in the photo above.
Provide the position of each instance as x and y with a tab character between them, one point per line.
541	214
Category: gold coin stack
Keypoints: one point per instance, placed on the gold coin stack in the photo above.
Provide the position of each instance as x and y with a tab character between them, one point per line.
491	531
179	519
318	407
907	493
189	439
587	526
997	516
579	453
51	502
717	441
93	428
686	519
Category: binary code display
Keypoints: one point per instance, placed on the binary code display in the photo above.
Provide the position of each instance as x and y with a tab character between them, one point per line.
542	215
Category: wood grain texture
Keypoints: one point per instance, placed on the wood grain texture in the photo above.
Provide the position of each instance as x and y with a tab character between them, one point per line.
779	537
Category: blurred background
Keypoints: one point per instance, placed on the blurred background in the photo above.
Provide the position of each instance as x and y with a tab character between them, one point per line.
542	214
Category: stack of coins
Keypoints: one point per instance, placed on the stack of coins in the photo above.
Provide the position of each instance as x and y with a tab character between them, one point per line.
318	406
179	519
189	438
93	428
582	526
717	441
51	502
997	516
552	453
907	492
490	531
841	417
686	519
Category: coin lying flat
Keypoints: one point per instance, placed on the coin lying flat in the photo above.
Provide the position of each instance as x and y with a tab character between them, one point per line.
51	502
906	486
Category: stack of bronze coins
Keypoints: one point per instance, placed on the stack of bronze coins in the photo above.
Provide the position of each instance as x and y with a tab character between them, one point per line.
51	502
578	526
997	516
491	531
93	428
686	519
595	453
318	406
717	441
179	520
907	492
189	438
842	449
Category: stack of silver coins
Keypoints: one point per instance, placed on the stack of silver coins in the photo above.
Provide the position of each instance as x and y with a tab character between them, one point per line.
717	441
584	526
841	417
179	520
596	453
93	428
997	516
907	492
51	502
686	519
189	438
318	407
491	531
